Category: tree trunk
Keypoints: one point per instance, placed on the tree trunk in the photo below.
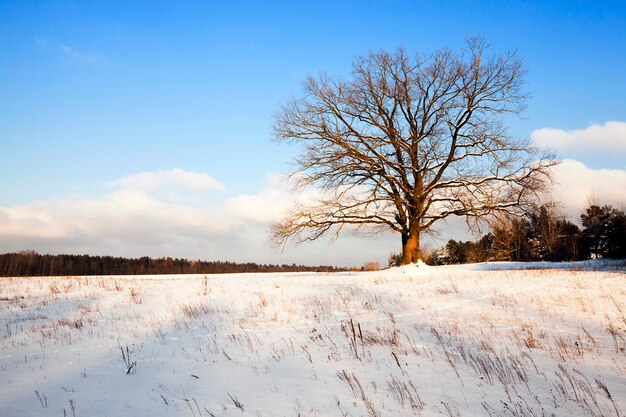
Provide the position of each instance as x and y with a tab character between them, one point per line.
410	248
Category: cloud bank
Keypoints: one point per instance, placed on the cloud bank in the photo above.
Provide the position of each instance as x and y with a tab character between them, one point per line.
610	137
575	184
172	177
600	146
188	214
174	213
148	207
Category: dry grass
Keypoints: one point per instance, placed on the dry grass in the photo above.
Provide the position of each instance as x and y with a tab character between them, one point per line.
513	343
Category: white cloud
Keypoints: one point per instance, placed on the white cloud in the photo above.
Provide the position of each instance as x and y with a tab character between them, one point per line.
610	136
157	180
80	57
169	213
132	213
575	183
270	204
124	217
264	207
83	57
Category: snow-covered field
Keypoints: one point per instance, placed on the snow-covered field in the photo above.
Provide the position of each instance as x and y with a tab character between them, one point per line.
483	340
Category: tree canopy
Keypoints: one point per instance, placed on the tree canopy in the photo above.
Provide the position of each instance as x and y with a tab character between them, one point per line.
407	141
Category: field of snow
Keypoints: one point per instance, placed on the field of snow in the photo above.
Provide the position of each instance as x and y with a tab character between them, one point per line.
472	340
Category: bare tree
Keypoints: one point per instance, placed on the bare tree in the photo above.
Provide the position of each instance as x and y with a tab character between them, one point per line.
409	141
510	237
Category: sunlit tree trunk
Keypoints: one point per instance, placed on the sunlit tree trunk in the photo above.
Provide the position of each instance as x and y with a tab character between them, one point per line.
411	248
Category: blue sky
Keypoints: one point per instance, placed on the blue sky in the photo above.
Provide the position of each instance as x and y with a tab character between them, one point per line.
91	93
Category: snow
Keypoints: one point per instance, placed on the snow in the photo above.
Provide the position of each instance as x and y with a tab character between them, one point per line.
500	339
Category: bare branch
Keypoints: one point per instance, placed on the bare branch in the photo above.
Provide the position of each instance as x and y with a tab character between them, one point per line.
408	141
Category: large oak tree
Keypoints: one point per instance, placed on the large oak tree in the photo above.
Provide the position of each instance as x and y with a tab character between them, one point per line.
407	141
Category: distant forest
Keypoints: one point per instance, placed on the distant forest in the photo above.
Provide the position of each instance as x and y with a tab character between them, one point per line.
542	235
30	263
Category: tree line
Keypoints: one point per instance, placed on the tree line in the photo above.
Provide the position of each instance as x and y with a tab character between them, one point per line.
30	263
542	235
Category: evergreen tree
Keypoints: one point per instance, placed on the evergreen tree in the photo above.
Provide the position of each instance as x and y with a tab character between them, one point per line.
604	233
